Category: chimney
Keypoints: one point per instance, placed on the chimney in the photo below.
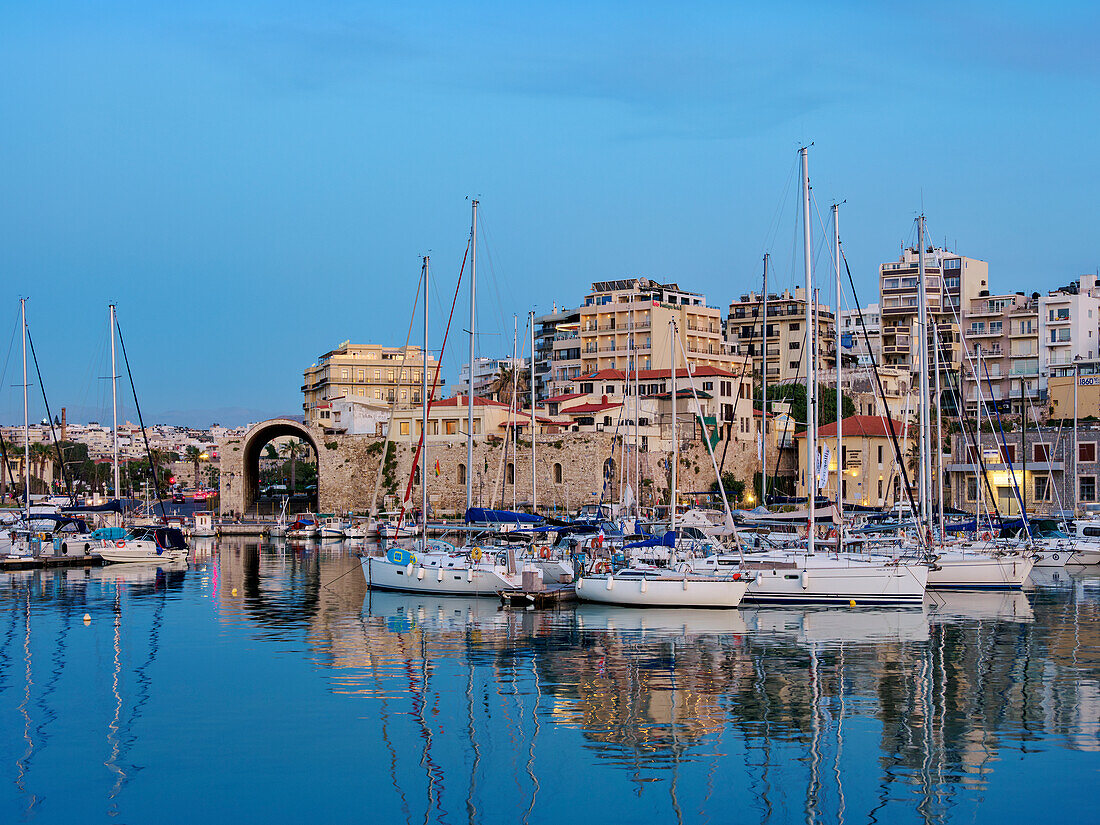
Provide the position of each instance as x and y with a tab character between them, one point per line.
63	424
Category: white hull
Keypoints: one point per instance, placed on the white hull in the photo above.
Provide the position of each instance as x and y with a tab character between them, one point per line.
664	591
382	574
131	555
796	578
975	571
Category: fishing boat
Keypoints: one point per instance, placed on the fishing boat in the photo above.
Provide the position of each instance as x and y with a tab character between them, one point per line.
141	544
305	527
204	524
332	527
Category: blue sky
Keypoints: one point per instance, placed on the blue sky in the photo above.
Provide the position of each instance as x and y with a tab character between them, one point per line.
253	182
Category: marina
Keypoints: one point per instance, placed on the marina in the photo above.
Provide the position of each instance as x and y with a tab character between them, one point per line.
247	652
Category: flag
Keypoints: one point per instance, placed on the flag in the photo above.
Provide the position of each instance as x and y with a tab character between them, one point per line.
823	467
437	466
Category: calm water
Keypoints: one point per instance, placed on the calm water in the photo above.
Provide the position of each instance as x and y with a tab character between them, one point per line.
299	697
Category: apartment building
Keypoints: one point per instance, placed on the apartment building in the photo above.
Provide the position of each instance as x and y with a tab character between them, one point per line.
854	343
786	334
557	351
952	281
486	371
1069	324
1004	331
619	315
391	375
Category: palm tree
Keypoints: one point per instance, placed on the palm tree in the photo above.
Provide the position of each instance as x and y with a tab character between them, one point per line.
40	455
193	454
292	449
501	386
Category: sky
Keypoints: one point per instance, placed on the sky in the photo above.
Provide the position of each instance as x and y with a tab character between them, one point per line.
254	182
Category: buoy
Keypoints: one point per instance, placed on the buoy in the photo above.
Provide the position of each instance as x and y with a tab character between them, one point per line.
234	593
87	618
851	603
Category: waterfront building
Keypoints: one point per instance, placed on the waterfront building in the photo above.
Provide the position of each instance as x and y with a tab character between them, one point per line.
1069	325
635	312
391	375
869	467
1039	462
854	343
557	351
1004	329
952	281
486	371
1060	389
786	334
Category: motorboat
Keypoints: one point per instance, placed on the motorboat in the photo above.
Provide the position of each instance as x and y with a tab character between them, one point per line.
141	544
332	527
204	524
305	527
660	587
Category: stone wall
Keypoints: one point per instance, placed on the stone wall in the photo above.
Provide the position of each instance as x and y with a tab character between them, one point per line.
348	465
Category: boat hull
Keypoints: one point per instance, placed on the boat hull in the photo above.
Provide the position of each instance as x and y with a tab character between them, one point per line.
683	591
977	572
382	574
862	584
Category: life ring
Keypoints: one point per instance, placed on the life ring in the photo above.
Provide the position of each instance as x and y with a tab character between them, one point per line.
832	534
602	567
120	543
475	554
986	536
544	553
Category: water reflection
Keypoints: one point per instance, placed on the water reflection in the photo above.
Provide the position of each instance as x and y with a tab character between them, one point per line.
469	712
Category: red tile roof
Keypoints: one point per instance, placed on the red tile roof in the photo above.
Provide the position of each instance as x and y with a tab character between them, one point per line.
871	426
569	396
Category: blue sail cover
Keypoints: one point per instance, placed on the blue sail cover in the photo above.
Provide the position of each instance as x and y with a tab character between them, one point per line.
667	540
483	515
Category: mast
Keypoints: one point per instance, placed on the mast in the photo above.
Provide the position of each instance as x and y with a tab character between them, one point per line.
979	468
922	368
764	395
839	405
939	430
1076	449
424	420
675	440
534	489
811	389
473	341
513	410
27	425
114	403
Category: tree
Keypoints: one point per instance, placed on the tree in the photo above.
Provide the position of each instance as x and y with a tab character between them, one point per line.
501	386
292	449
795	395
735	489
193	455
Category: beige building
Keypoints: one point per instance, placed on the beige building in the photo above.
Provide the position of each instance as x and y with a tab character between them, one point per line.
786	334
1005	329
952	281
637	311
1060	389
870	475
389	375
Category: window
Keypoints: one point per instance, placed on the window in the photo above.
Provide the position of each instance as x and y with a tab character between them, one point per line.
1086	451
880	489
1008	453
586	388
879	459
557	473
344	374
1042	488
404	428
450	427
510	473
1086	488
461	473
708	386
794	345
972	489
794	328
1040	452
609	389
378	375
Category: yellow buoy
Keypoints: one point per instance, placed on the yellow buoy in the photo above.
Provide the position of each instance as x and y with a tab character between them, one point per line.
234	593
852	603
87	618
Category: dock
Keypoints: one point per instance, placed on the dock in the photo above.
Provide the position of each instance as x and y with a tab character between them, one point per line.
40	562
551	596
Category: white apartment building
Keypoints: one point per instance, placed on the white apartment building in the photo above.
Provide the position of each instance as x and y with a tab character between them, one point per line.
486	371
1004	330
1068	325
852	340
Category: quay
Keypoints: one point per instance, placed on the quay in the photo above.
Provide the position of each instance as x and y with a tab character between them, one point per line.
553	595
40	562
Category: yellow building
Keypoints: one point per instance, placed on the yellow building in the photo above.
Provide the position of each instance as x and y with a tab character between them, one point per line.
870	473
638	310
1060	390
391	375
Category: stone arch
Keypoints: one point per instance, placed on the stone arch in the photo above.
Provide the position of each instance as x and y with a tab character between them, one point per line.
241	460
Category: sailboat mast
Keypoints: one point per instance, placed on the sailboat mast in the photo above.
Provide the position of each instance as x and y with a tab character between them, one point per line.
925	400
473	343
764	394
811	383
939	429
26	423
513	408
114	404
534	488
675	440
424	419
839	383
